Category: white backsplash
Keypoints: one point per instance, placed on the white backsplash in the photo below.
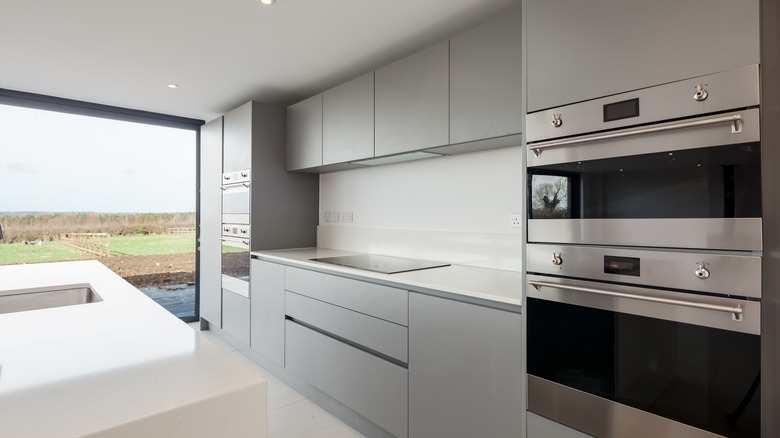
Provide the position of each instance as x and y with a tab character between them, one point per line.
487	250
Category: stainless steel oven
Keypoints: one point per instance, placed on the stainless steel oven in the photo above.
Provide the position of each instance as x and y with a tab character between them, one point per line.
643	302
235	258
674	166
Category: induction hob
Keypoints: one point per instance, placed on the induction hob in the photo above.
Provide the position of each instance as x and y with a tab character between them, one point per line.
380	263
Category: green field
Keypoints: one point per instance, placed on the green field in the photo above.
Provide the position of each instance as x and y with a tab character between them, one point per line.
13	253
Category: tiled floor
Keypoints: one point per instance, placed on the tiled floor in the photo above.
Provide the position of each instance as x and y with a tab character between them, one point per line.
290	414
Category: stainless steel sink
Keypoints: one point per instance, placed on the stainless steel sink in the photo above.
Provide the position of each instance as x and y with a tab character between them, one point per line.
44	298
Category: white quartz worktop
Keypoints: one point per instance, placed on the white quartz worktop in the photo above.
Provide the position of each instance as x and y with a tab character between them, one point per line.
122	367
489	287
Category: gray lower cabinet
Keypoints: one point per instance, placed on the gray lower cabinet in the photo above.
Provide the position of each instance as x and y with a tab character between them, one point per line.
235	315
348	121
304	134
267	309
465	375
372	387
540	427
485	80
582	50
209	245
412	102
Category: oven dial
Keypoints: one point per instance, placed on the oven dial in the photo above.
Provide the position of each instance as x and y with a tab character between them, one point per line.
700	94
702	272
557	260
556	122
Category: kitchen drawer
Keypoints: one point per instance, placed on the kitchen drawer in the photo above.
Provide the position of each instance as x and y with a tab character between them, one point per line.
373	333
235	315
383	302
372	387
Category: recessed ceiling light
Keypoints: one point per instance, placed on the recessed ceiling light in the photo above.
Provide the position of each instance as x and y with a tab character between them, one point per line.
173	86
268	2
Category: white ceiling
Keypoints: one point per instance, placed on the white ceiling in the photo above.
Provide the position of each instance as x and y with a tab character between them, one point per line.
221	53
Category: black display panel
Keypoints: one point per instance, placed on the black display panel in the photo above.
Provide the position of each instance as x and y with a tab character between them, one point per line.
621	110
621	265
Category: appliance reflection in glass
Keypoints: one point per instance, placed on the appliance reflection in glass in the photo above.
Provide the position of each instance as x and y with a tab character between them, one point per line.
235	265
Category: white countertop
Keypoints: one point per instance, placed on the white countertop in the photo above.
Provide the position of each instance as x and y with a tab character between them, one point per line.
104	368
489	287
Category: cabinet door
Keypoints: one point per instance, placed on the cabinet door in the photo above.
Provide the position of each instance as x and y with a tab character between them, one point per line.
209	245
485	80
235	315
465	375
372	387
237	150
267	309
304	134
412	102
348	121
583	50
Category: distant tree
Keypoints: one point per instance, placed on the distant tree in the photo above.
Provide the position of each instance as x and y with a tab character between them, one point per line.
550	199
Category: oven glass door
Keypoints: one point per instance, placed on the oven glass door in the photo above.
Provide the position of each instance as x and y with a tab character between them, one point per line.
715	182
235	265
700	376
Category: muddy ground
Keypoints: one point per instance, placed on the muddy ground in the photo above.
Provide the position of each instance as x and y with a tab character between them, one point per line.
154	270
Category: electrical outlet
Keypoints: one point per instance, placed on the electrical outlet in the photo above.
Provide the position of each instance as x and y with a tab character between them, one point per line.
335	217
346	217
327	217
516	220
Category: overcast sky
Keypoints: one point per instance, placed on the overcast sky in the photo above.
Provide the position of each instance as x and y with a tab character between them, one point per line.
58	162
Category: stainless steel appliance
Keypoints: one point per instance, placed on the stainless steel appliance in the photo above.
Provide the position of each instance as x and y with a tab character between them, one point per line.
675	166
236	197
643	304
236	258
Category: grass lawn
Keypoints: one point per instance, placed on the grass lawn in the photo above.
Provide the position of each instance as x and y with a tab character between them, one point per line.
13	253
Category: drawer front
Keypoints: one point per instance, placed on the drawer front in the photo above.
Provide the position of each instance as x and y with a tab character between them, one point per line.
235	315
376	334
372	387
383	302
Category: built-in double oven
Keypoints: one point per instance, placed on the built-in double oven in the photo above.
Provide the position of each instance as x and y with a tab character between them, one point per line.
236	235
644	260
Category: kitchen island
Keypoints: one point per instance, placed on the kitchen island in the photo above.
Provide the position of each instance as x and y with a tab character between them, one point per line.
119	367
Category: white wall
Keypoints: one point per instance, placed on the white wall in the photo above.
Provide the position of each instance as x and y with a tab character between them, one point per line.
474	193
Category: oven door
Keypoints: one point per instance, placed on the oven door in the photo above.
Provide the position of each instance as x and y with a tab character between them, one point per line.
235	265
689	184
616	361
235	203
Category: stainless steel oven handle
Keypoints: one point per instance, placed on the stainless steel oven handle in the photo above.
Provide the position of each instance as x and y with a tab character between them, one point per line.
735	120
227	239
736	312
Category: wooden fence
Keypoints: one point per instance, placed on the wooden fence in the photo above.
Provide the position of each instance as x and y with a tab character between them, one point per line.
182	230
93	243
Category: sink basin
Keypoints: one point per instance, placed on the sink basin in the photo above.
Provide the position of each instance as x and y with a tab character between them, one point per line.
44	298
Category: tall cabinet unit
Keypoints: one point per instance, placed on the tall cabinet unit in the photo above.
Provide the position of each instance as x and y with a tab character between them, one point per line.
209	274
243	159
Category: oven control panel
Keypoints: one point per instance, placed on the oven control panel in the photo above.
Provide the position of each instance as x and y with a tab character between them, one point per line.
236	230
728	274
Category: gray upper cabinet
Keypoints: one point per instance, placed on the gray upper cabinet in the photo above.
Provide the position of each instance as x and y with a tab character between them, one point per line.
412	102
237	153
485	80
465	370
209	245
304	134
582	50
348	121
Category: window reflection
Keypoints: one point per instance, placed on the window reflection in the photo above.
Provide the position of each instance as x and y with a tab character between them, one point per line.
550	196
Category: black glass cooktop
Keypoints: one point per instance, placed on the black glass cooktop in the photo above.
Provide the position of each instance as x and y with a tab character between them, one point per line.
379	263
